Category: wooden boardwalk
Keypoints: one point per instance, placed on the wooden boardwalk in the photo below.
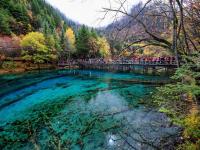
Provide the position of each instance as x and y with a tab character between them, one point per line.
121	65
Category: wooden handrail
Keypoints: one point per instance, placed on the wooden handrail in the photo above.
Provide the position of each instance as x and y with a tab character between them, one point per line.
119	62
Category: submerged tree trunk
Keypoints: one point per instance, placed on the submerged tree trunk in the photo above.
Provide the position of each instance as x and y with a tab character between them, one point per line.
38	65
1	63
2	60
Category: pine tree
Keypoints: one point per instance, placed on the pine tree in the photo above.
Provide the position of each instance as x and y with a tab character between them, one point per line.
35	6
4	22
4	4
94	34
82	42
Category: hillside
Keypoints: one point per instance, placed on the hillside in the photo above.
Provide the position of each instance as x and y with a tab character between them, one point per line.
36	33
153	28
127	30
19	17
23	16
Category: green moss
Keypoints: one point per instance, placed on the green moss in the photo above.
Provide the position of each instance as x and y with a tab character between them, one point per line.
9	65
178	101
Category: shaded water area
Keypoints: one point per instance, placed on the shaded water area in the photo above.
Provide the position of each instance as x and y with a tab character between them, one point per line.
81	109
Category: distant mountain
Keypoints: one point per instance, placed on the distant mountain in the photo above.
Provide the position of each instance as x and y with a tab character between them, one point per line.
128	29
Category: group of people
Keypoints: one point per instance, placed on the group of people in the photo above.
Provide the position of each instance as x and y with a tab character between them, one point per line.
92	61
133	60
154	60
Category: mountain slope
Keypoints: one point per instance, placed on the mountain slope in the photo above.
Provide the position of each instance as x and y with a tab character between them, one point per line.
23	16
20	17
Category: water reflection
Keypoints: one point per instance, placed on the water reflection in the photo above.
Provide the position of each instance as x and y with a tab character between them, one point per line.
81	110
108	102
112	140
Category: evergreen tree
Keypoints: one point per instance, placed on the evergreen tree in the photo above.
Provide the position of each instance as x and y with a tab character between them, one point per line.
19	12
94	34
62	39
4	22
57	43
82	42
23	16
35	6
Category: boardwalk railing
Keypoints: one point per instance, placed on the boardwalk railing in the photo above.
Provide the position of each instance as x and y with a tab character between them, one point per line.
146	62
154	63
67	63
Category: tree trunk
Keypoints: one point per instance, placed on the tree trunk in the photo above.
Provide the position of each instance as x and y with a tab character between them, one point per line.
180	4
38	67
1	63
175	27
186	36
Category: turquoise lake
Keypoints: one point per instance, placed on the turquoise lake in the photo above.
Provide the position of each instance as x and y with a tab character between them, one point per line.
81	109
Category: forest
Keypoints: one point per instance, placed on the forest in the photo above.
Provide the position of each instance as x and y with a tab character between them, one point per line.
36	24
36	36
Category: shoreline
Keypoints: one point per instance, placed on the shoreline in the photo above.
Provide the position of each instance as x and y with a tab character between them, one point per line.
27	69
19	70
